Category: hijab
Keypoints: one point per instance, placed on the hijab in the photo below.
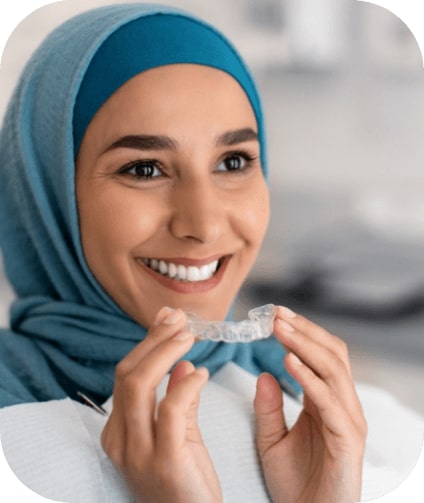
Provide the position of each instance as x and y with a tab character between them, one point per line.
66	333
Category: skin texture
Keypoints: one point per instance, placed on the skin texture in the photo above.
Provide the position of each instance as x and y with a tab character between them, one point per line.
193	208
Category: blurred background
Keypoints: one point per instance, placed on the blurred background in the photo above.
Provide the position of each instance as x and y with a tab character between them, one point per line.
342	88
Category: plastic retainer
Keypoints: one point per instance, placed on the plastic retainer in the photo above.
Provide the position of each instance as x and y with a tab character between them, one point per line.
258	326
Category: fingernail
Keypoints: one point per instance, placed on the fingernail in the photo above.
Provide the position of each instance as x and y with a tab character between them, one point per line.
172	317
183	335
162	314
295	359
285	326
287	312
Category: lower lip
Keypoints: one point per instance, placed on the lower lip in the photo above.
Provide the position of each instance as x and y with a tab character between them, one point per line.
188	286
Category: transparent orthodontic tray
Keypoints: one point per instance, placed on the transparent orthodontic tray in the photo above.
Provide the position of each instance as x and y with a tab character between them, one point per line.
258	326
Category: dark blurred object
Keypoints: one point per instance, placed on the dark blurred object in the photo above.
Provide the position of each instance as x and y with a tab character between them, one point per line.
363	276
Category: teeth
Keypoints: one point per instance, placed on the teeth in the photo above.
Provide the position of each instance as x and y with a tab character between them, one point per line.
205	272
172	270
193	274
163	268
182	272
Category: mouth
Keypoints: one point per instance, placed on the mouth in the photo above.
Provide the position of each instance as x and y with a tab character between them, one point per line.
182	272
187	275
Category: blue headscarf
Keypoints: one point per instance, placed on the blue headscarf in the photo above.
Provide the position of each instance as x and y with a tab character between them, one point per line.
66	334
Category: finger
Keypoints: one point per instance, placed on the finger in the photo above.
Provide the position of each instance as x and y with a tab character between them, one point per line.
136	390
177	413
319	357
113	438
157	363
268	406
337	420
167	323
181	369
318	333
287	320
325	363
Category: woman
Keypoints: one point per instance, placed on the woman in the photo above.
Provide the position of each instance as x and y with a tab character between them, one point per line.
134	157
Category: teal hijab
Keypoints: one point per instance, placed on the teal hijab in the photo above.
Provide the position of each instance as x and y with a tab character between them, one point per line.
66	334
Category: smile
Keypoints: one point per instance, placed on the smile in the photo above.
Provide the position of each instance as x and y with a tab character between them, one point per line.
181	272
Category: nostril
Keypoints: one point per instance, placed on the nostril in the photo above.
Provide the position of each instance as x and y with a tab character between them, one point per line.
196	228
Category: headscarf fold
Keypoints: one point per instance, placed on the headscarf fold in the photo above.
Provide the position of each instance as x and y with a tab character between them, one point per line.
66	333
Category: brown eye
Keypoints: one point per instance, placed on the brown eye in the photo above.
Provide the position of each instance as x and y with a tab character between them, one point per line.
142	169
232	163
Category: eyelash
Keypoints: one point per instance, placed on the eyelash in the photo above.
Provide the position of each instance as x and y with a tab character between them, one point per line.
246	157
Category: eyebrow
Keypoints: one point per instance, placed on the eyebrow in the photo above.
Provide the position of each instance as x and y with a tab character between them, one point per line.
162	142
144	142
237	136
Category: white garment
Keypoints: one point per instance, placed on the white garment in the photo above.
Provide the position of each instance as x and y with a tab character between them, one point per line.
54	447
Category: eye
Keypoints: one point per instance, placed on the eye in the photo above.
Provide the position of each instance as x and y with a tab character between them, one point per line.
142	169
237	161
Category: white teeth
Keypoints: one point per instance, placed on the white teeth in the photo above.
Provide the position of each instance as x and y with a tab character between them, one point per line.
193	273
213	266
163	268
182	272
205	272
172	270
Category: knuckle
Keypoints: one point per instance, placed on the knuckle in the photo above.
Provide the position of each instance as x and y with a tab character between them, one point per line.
113	450
342	348
363	426
359	442
334	371
116	456
168	409
121	370
131	390
340	353
339	367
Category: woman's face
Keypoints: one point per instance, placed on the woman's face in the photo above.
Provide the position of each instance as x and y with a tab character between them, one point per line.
172	201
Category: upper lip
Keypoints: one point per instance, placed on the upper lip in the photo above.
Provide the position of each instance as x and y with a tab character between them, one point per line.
188	261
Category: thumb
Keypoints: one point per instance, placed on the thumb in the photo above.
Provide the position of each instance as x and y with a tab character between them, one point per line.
268	405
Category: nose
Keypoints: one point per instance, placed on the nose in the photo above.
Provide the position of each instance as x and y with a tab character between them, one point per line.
199	212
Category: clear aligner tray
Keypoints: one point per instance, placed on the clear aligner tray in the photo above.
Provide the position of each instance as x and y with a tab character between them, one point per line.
258	326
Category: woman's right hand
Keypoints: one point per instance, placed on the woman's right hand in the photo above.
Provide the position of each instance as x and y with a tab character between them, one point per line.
159	449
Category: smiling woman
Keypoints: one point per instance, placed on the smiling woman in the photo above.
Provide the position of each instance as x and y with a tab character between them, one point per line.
171	205
135	160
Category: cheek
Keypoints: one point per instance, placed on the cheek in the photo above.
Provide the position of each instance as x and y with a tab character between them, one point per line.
254	214
114	222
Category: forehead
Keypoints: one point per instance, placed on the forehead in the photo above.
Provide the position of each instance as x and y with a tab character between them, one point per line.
174	98
186	101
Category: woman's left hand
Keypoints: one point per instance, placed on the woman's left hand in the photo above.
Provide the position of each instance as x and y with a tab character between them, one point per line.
320	458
